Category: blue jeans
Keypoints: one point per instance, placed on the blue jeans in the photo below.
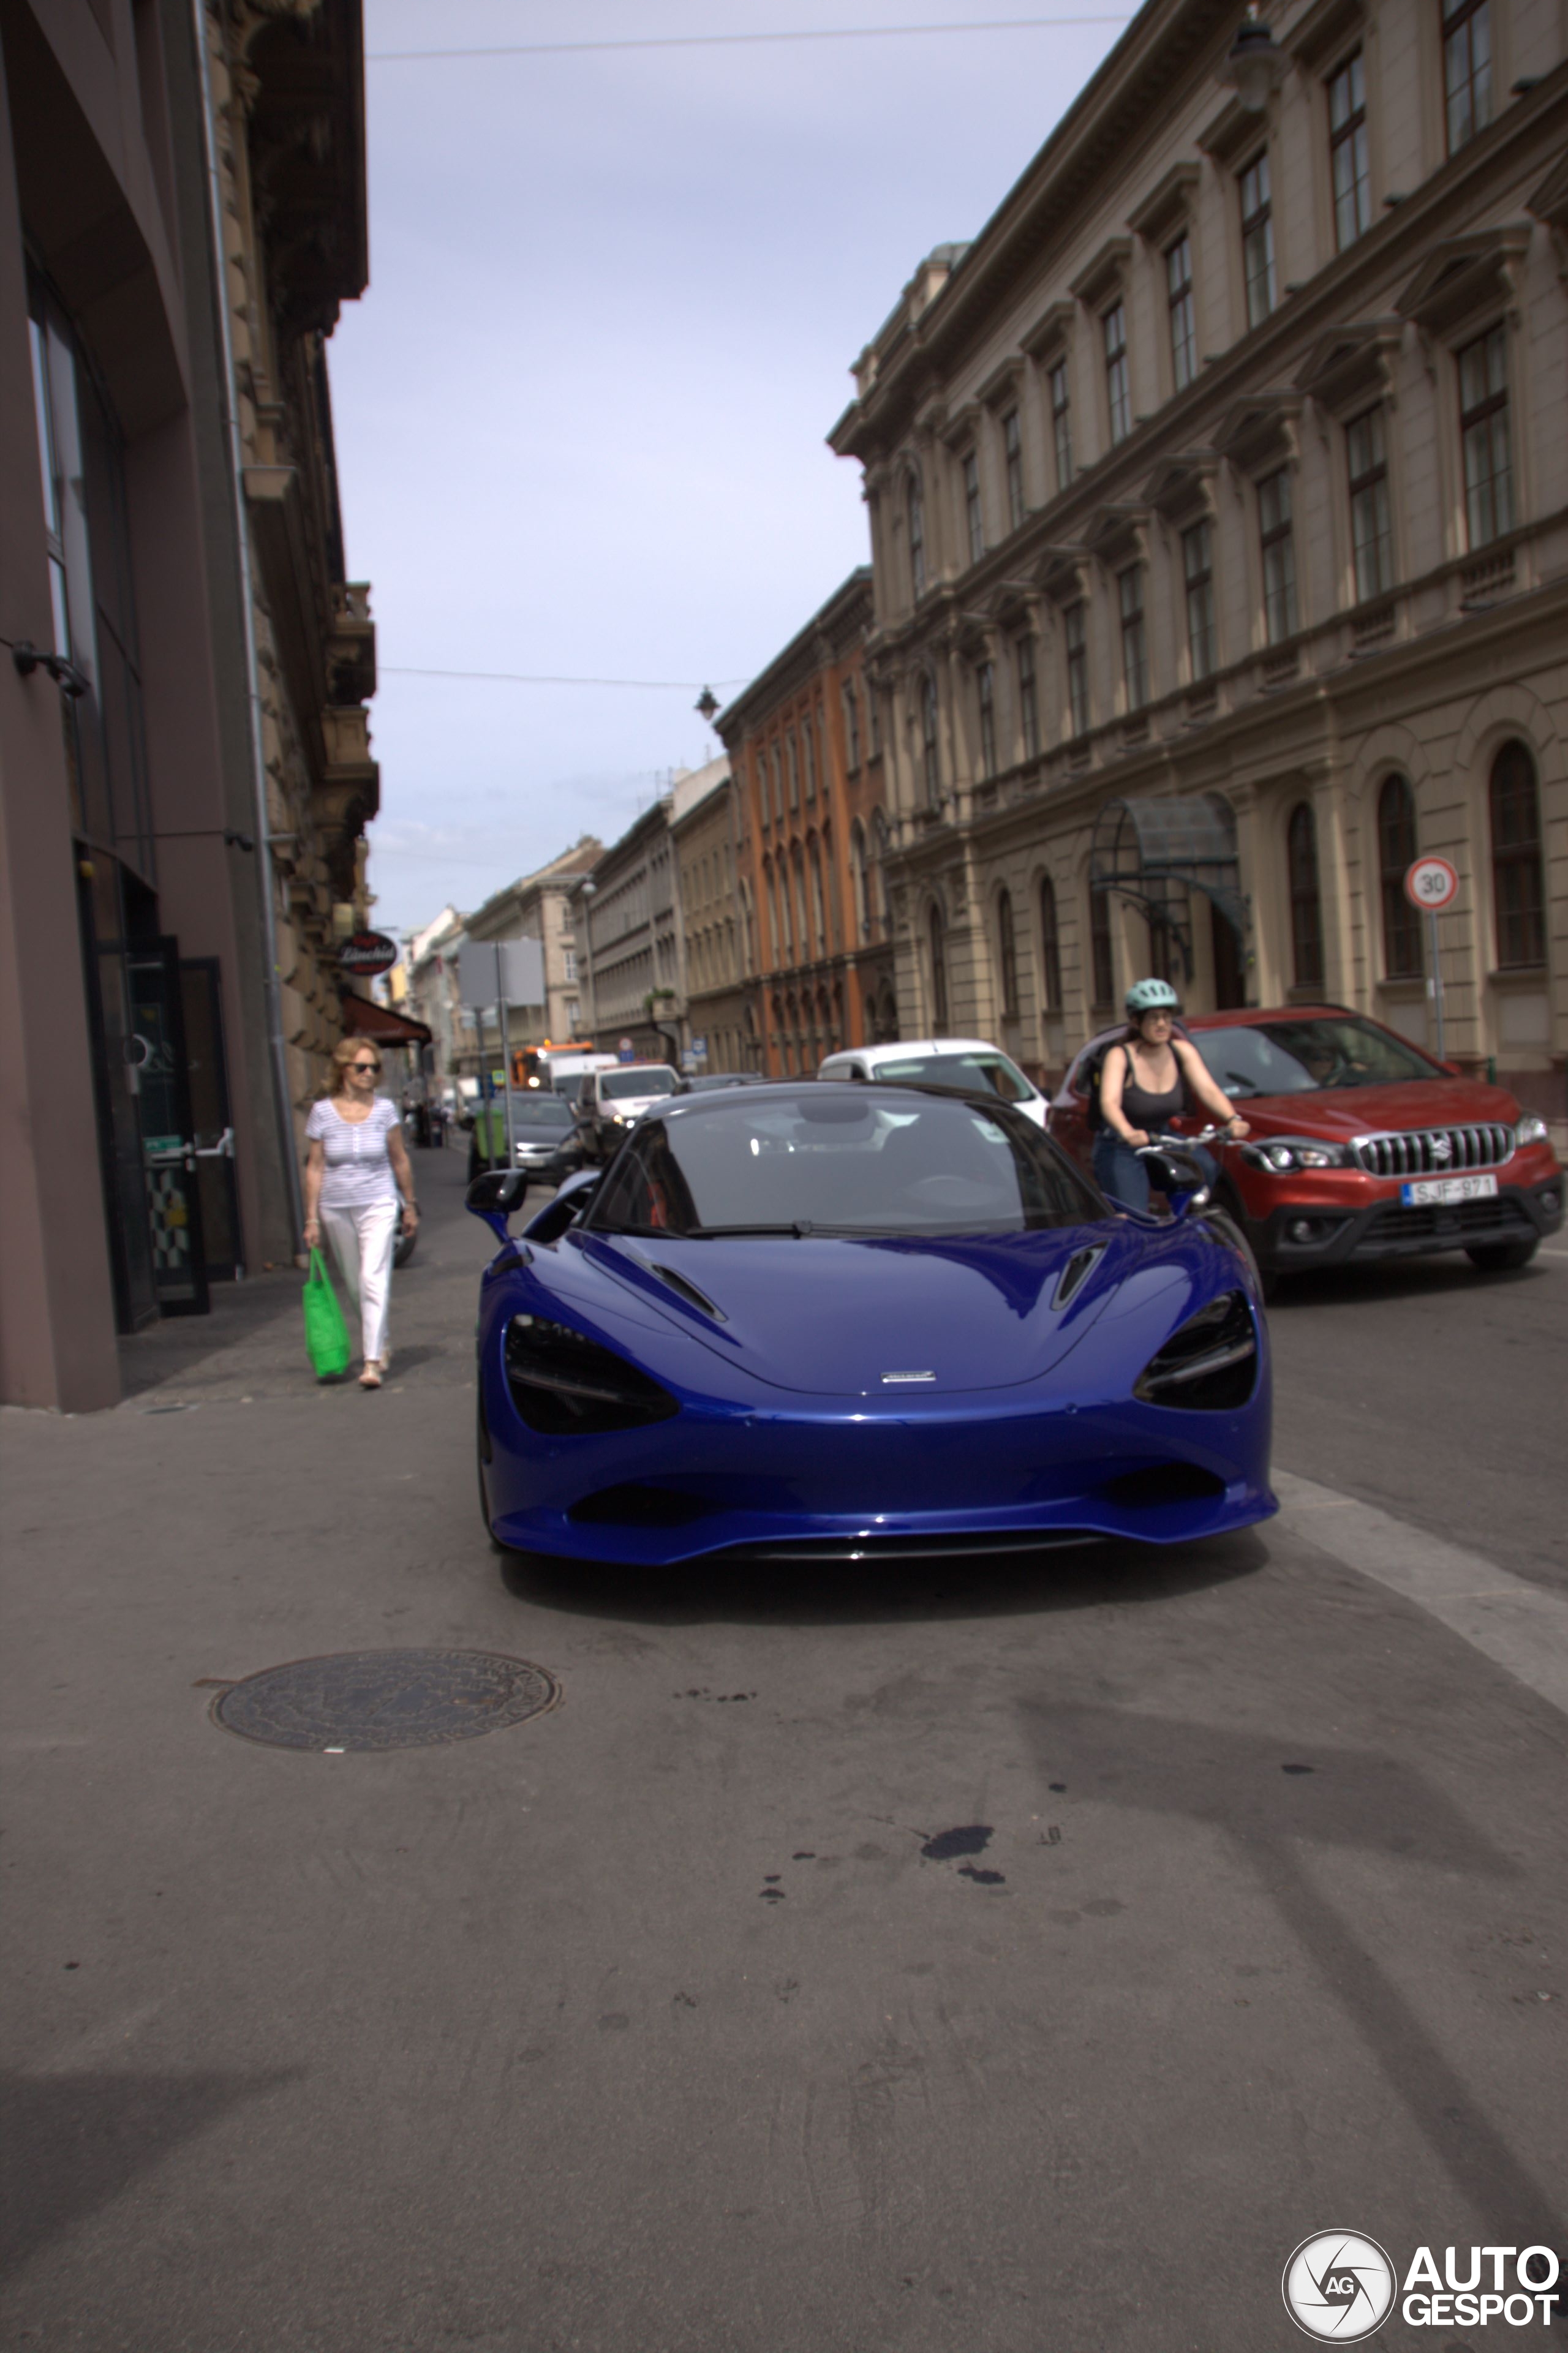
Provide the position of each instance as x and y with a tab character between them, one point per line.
1119	1172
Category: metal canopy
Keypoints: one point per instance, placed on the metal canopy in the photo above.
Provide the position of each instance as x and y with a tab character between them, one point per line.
1155	849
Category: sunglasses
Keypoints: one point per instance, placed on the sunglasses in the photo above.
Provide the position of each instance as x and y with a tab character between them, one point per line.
365	1069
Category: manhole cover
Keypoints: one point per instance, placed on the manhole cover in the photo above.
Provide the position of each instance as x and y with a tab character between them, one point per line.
385	1699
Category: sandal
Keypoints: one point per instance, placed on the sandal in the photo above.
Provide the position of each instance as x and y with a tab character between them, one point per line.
370	1378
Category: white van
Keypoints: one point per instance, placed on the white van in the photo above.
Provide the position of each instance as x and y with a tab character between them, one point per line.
946	1062
609	1101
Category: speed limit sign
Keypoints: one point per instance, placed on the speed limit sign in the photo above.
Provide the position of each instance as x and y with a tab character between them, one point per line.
1431	883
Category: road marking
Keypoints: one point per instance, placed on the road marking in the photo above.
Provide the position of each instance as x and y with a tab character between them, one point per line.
1517	1625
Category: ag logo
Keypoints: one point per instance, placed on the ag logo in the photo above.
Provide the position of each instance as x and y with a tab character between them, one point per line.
1339	2286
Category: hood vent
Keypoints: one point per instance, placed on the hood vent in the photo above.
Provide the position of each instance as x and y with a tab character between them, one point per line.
1076	1273
687	1291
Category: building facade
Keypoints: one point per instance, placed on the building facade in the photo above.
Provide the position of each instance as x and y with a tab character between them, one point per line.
720	1029
185	775
813	790
540	906
633	932
1219	501
430	959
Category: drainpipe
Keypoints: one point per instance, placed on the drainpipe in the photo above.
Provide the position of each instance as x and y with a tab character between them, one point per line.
265	837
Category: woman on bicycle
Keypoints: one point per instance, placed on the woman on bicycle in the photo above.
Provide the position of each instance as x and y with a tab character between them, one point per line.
1147	1080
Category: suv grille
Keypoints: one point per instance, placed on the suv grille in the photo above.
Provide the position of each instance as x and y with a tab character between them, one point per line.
1434	1151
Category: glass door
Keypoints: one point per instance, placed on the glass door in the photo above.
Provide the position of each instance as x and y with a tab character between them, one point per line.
211	1131
168	1149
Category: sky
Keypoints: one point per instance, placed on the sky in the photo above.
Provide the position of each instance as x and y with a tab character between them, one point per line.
580	412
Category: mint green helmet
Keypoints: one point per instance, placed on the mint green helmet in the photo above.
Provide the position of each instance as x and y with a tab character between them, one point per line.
1151	996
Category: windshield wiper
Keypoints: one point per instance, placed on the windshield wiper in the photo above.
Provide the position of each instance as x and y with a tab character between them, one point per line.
798	1228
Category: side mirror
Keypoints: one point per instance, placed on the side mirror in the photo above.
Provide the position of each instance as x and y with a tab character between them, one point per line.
1186	1181
494	1195
569	1203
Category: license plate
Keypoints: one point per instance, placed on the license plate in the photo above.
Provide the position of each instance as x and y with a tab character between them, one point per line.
1448	1188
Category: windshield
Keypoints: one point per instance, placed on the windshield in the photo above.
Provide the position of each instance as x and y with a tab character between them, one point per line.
540	1111
618	1086
1296	1058
980	1072
841	1161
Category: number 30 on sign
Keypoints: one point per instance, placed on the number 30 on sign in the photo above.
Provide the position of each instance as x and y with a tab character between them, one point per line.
1431	883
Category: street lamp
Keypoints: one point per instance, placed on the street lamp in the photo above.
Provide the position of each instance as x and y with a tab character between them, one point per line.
707	705
1252	65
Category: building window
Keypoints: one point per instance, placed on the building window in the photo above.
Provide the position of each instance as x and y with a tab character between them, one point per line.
1467	67
1134	639
778	783
930	755
938	974
860	878
1028	698
1013	463
1257	240
809	738
1118	387
1348	158
1306	905
569	966
974	522
1076	638
1061	423
1198	570
883	842
1007	954
1050	948
852	726
985	690
1372	536
1483	429
759	780
792	768
1279	555
1101	967
1518	898
1396	855
917	506
1184	314
819	908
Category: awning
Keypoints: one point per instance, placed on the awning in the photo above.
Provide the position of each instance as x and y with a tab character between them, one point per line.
363	1018
1154	850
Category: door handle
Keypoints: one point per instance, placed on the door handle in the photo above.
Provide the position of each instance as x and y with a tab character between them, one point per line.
222	1150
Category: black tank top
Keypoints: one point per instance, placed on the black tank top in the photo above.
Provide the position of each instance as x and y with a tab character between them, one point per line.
1142	1109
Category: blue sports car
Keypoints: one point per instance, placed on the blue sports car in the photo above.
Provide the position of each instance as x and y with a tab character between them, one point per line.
811	1321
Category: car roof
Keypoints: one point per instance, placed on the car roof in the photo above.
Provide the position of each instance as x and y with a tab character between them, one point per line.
717	1099
909	1046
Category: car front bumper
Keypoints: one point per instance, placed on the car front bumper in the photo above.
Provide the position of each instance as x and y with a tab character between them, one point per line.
1326	1229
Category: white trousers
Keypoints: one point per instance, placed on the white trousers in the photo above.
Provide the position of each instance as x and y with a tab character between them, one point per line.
363	1240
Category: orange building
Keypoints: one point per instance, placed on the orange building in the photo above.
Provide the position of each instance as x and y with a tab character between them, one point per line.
805	748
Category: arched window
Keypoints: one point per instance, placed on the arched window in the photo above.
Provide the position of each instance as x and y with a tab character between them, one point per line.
1101	965
1007	954
819	911
802	924
860	876
928	739
1305	900
1396	854
938	974
1050	948
1518	897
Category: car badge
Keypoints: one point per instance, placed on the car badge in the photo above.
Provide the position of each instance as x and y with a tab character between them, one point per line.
1441	1148
889	1379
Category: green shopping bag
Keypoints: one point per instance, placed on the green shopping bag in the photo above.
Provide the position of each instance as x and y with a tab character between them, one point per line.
326	1334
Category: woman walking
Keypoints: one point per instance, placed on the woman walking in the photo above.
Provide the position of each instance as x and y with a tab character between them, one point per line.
1147	1081
356	1167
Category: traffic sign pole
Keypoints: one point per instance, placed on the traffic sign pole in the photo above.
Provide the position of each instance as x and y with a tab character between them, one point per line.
1437	983
1431	885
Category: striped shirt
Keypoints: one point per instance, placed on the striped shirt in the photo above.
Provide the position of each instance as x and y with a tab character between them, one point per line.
358	1170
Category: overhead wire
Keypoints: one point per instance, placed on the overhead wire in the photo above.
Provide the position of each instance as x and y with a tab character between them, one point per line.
745	40
526	678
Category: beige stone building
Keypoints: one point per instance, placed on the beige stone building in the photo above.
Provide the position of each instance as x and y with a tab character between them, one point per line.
632	930
718	926
1219	499
539	906
430	959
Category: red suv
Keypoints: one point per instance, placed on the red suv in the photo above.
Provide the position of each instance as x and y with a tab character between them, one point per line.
1362	1147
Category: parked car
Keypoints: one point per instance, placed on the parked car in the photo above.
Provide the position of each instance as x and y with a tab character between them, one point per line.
545	1136
1362	1148
943	1061
609	1101
804	1322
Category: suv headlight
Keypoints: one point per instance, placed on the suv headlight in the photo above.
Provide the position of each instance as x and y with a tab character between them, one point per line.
1208	1364
1276	1155
1533	1129
565	1385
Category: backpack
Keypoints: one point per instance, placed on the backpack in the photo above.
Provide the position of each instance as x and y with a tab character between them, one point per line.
1092	1075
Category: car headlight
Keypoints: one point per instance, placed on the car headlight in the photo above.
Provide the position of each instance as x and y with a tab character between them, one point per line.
565	1385
1532	1129
1276	1155
1210	1363
617	1118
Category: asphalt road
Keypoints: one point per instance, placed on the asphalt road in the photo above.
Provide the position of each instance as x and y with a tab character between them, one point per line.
897	1963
